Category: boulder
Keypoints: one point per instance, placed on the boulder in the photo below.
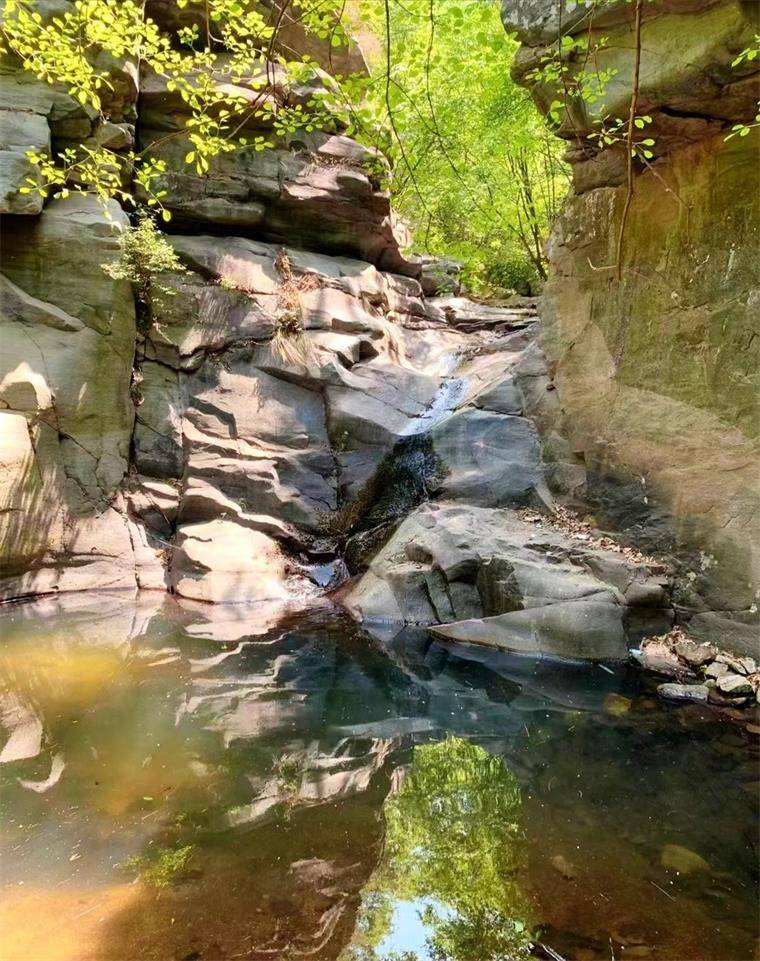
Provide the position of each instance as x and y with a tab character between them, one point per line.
734	630
586	629
490	577
489	459
657	656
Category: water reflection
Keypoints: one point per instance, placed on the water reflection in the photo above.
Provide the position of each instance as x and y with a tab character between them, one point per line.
184	783
453	857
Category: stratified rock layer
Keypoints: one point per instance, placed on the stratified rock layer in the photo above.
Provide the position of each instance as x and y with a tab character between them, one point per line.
68	335
657	372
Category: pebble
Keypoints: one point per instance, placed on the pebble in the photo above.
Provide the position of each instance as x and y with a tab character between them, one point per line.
716	669
734	685
675	857
695	654
564	867
683	692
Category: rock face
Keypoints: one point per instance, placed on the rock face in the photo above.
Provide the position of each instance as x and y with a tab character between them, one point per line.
256	439
299	407
311	190
68	335
657	374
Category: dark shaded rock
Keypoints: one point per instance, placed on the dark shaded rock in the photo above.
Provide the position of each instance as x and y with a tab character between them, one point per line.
489	459
683	692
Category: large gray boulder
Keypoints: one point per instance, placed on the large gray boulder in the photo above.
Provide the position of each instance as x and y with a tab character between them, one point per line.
489	458
490	577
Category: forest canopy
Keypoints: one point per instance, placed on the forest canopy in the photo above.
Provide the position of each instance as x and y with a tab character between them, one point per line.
477	174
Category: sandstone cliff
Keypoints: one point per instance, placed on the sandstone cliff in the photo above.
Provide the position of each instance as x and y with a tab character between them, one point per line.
657	373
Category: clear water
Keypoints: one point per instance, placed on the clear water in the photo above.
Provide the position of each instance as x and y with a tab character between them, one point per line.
204	784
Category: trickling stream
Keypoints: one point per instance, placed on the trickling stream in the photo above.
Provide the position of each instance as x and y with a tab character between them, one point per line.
189	783
450	394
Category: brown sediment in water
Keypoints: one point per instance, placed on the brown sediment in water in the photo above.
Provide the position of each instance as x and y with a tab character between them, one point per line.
286	890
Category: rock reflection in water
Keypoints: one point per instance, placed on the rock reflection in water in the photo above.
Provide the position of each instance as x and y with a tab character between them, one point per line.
252	773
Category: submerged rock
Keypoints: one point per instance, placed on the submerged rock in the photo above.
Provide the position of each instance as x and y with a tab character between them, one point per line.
675	857
684	692
616	705
565	868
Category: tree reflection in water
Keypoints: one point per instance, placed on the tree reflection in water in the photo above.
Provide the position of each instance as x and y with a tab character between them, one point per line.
453	849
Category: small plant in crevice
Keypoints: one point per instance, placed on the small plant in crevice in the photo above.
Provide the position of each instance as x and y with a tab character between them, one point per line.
288	772
289	342
145	257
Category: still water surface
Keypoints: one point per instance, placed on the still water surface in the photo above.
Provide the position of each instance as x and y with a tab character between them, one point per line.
180	787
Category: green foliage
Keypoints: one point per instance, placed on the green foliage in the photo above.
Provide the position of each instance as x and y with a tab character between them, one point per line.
747	55
453	838
161	866
78	48
573	79
145	254
515	273
475	172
